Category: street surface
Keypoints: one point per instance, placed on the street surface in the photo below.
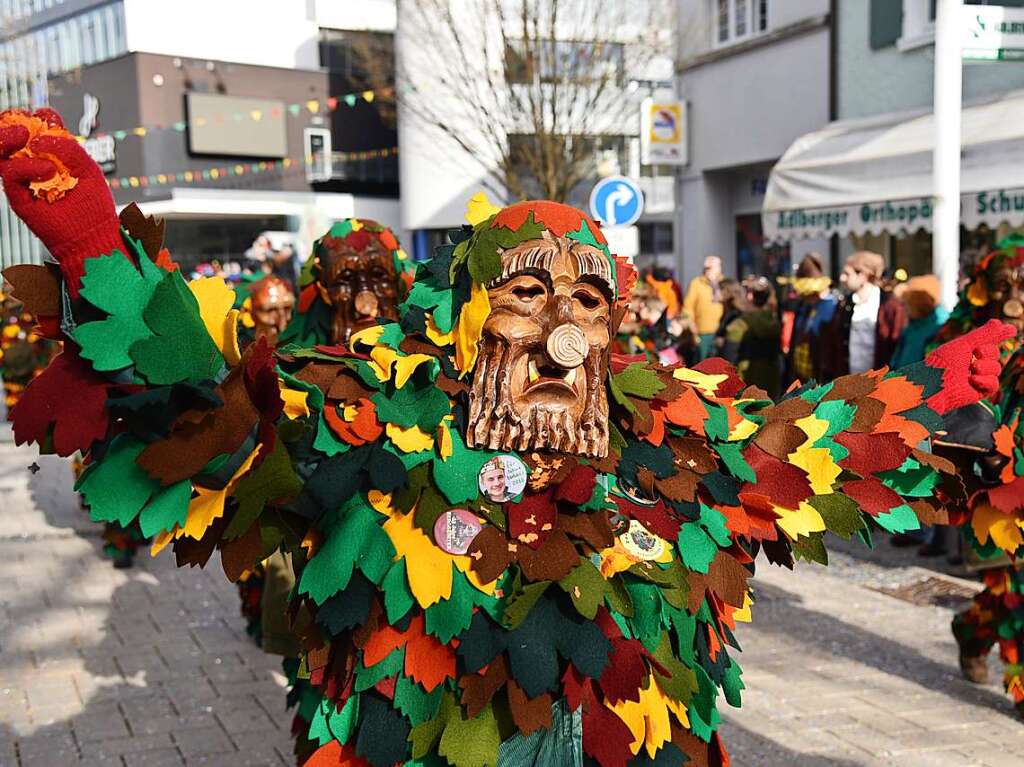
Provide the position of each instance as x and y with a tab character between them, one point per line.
151	667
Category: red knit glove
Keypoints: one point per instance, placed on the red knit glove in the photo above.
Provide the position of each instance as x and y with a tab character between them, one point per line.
970	366
80	225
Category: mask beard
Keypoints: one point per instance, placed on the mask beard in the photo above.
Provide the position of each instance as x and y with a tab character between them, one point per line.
496	422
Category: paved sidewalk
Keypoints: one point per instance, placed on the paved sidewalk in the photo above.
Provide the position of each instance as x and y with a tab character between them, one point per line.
151	666
148	667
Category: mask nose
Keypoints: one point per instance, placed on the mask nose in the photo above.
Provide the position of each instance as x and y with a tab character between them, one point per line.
567	346
1013	309
366	303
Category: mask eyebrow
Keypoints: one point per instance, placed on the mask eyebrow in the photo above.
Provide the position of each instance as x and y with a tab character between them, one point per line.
593	263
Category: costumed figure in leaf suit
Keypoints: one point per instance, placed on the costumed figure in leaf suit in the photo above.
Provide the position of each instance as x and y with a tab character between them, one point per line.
513	547
24	353
993	518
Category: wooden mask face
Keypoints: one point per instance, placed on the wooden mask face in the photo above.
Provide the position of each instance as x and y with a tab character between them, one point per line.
540	378
1007	294
357	272
272	305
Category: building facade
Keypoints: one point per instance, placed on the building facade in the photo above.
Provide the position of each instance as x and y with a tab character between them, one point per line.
273	127
755	75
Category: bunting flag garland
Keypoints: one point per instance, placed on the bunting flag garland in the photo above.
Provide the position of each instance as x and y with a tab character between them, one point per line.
512	547
236	170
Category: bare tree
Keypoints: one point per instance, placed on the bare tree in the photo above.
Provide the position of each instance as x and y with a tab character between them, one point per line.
532	89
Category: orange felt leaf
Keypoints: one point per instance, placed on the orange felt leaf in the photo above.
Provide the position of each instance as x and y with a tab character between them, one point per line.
365	425
687	410
427	661
307	297
897	394
382	641
657	433
334	754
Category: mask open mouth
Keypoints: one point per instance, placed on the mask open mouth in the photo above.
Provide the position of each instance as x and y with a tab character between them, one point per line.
541	374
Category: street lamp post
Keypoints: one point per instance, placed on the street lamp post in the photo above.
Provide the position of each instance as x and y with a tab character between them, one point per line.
946	153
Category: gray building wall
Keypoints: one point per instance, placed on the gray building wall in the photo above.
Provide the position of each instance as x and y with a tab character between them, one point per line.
871	82
747	102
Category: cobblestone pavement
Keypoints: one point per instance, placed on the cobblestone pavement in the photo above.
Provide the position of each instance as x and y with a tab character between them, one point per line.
151	666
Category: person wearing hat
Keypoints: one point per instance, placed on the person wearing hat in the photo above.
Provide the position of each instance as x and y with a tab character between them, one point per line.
868	324
816	307
921	296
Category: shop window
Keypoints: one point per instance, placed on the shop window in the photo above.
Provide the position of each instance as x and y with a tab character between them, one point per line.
737	20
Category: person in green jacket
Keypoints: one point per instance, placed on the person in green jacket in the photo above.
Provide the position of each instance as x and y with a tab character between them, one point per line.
921	296
753	340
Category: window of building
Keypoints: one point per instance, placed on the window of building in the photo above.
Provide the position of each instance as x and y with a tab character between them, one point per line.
564	60
737	20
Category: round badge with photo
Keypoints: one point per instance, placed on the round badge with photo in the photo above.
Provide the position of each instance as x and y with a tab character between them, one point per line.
455	530
632	493
502	478
639	542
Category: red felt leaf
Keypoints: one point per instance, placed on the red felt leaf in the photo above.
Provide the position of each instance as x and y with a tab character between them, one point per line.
578	486
782	483
1008	498
732	385
626	672
655	518
871	453
872	496
261	383
532	520
78	420
606	738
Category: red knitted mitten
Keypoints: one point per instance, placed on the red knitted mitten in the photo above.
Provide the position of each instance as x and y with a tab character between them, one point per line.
970	366
81	224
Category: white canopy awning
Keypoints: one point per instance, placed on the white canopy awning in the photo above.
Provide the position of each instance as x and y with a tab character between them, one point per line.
875	175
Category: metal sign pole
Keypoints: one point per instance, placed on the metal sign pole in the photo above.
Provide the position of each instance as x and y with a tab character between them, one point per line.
946	154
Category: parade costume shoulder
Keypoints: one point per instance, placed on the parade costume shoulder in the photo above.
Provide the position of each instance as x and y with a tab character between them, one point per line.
515	548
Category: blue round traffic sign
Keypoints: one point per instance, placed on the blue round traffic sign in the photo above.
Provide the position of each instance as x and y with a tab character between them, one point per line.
616	201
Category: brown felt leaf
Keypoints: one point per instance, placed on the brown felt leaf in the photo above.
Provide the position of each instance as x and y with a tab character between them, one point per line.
780	438
791	409
696	750
693	453
645	480
189	551
319	374
416	344
528	714
680	486
490	554
594	528
551	561
37	286
869	413
929	514
755	393
478	689
348	388
147	229
698	584
851	387
193	445
451	386
728	578
937	462
242	553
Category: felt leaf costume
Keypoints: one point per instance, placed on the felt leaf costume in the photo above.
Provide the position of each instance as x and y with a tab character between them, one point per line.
513	546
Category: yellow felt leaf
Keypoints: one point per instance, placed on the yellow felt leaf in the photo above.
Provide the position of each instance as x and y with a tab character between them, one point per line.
444	439
161	539
817	462
977	293
803	520
436	336
367	337
470	327
744	613
411	440
989	522
741	431
479	209
295	402
648	720
706	382
356	224
215	300
383	359
208	504
246	317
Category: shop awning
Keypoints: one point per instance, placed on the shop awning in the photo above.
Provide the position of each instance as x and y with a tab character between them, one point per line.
875	175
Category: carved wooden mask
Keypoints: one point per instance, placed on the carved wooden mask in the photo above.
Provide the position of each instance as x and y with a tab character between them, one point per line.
540	377
357	273
272	304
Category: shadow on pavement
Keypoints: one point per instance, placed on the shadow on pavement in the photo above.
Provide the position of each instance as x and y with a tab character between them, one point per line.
748	748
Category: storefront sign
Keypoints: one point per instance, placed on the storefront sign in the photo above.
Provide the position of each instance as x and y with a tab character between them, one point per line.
663	132
992	33
100	148
992	208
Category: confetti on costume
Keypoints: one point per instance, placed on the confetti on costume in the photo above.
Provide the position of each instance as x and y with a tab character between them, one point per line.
993	518
572	604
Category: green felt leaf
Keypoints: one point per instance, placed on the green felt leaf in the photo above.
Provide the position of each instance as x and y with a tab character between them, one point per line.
368	676
456	477
837	413
422	406
483	259
912	479
438	301
114	488
426	735
696	547
732	683
113	285
899	520
704	717
810	548
180	349
414	702
841	513
620	397
618	598
166	508
272	480
586	587
325	441
717	424
470	742
681	682
450	617
356	540
398	599
520	602
716	525
638	380
647	613
731	454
